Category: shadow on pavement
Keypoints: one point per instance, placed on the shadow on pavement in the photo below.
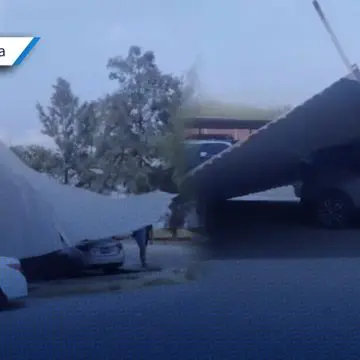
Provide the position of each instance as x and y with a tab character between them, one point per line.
244	229
14	305
122	271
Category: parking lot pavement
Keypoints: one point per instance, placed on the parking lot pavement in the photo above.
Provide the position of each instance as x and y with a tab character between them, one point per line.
265	309
169	263
276	227
270	224
177	255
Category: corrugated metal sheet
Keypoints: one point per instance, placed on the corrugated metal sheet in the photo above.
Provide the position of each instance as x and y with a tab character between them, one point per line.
34	209
270	156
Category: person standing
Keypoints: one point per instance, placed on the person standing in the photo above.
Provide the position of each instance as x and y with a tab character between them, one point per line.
179	210
141	238
176	218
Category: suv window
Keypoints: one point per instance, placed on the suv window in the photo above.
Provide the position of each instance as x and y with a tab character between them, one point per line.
192	156
334	161
197	153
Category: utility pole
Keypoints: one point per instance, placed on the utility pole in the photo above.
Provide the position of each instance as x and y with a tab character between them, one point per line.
352	68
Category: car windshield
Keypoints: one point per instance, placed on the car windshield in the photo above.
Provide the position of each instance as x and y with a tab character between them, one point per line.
196	153
214	148
192	155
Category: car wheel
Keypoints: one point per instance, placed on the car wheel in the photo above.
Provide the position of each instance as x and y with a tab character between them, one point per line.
334	210
3	300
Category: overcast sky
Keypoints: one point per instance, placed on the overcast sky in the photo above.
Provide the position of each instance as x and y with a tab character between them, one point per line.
257	52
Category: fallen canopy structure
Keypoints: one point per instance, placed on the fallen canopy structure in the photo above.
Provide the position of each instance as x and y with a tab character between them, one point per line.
36	210
270	157
27	225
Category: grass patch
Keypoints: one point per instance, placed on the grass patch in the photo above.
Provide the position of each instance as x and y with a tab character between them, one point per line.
82	290
162	281
165	234
192	272
115	287
132	277
129	282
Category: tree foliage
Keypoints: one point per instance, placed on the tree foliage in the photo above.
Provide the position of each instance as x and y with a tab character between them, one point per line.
131	139
118	140
71	124
145	105
41	159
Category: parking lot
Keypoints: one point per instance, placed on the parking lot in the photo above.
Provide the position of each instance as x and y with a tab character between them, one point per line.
273	225
160	254
265	225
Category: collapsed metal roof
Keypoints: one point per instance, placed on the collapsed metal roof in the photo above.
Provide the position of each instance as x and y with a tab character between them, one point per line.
35	209
270	156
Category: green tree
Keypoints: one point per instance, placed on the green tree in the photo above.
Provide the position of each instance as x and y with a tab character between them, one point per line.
144	105
41	159
72	125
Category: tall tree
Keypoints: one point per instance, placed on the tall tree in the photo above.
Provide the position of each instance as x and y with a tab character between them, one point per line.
72	126
145	103
120	140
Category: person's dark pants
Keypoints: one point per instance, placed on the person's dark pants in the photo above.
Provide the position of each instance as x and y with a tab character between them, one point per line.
174	231
141	238
142	255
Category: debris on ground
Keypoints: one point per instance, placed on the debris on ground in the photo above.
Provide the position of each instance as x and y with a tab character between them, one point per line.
119	282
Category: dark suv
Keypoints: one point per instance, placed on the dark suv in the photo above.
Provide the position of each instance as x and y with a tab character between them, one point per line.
330	185
196	152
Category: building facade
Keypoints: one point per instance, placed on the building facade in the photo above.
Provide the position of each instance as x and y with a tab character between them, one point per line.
237	134
236	128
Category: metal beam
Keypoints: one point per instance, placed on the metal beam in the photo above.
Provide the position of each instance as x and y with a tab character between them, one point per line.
224	123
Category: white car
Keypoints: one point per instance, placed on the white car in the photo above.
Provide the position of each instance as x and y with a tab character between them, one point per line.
13	285
104	254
